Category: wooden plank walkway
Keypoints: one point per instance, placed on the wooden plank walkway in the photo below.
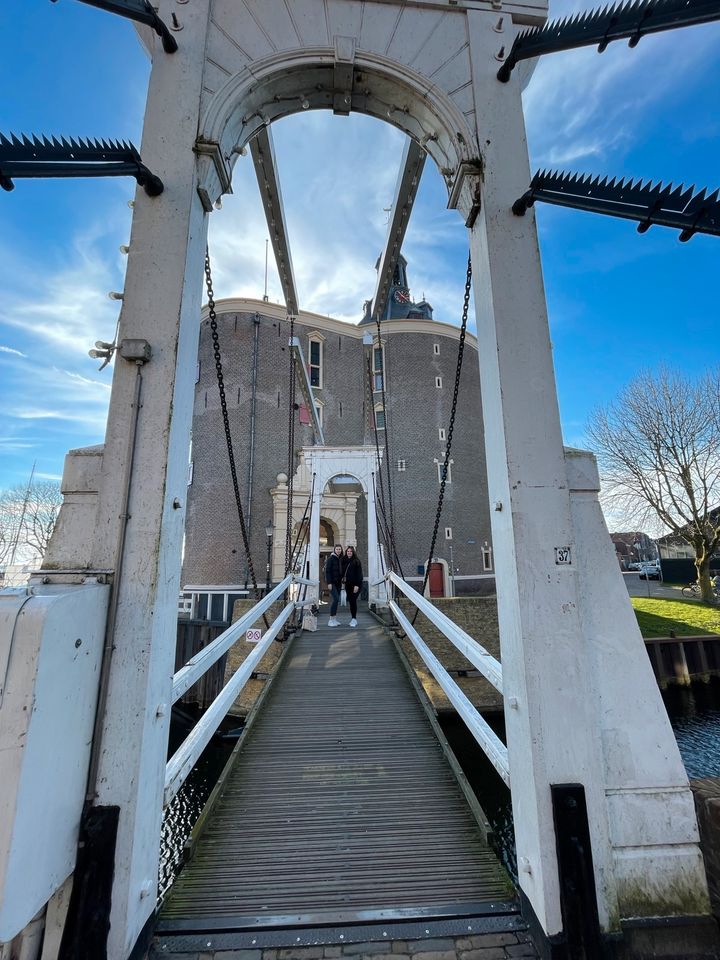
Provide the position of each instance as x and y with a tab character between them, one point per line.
340	805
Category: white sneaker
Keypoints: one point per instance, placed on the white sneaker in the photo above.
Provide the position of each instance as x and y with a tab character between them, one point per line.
332	622
353	622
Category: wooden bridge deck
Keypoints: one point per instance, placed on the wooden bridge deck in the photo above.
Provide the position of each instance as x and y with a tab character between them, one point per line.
340	804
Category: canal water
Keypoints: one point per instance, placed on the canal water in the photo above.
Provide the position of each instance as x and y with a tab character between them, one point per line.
185	808
694	713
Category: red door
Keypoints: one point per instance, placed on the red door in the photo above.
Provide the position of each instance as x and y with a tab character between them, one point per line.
436	580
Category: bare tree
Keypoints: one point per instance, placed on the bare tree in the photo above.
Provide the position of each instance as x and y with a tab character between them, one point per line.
658	446
27	517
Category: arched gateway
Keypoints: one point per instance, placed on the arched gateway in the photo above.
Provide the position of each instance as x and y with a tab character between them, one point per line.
581	704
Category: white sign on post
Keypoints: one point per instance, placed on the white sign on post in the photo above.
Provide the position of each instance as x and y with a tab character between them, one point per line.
253	636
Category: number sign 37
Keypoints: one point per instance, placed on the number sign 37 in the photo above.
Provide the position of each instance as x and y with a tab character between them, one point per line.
562	555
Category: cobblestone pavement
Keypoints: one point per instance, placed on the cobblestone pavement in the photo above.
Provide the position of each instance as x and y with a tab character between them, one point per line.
488	946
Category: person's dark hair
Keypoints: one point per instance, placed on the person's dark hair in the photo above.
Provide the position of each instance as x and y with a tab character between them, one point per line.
350	548
338	545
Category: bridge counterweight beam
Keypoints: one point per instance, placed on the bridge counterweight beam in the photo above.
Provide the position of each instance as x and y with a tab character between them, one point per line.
408	181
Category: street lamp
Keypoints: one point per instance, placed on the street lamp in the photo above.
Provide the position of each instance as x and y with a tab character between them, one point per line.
452	571
269	534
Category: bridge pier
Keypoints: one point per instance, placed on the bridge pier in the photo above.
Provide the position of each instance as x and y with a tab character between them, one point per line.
581	704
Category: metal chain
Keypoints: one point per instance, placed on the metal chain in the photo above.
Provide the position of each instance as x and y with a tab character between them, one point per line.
391	512
375	431
226	420
451	426
291	450
389	541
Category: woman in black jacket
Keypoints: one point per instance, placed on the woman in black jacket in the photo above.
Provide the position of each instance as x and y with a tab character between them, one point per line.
334	575
352	578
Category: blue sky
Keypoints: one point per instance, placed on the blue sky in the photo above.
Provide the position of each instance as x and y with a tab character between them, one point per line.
618	302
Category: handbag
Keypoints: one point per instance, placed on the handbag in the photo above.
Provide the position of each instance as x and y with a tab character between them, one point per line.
343	596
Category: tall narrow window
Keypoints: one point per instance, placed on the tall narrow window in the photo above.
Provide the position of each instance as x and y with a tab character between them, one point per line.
440	467
441	434
401	465
378	369
379	417
487	557
448	533
436	349
438	382
315	363
319	408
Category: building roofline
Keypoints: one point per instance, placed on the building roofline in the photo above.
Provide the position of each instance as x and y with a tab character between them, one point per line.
278	311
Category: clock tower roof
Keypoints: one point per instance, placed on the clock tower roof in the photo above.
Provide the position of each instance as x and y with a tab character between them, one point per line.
400	305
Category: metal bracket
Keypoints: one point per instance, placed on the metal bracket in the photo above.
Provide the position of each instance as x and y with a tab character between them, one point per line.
52	157
578	898
343	75
467	170
140	11
624	21
667	206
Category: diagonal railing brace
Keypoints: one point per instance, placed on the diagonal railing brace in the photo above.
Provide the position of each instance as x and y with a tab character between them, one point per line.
629	20
53	157
142	12
664	205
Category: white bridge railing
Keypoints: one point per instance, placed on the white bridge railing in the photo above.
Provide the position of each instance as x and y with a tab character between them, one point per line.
483	661
186	756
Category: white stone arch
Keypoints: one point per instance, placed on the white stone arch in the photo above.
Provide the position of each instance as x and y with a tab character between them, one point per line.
277	87
362	464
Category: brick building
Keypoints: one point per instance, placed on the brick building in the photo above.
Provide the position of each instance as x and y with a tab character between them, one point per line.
417	359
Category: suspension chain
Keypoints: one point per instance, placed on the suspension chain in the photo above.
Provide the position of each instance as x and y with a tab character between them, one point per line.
391	513
226	419
291	450
451	426
388	540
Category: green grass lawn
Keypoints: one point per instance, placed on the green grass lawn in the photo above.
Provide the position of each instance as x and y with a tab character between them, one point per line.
658	617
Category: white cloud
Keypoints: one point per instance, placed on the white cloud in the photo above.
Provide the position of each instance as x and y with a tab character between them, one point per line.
16	353
583	106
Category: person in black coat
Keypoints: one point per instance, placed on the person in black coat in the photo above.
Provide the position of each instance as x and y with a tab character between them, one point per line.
353	579
334	576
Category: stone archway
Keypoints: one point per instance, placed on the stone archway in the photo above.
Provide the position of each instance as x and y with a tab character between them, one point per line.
361	463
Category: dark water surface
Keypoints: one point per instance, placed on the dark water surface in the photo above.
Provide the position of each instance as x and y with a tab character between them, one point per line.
184	810
695	716
694	713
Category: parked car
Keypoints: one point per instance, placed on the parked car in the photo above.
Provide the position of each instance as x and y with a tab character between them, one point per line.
634	565
650	570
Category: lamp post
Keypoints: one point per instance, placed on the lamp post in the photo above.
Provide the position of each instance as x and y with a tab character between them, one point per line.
452	572
269	534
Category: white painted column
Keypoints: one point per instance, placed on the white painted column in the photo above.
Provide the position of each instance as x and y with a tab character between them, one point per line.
551	732
580	702
162	305
314	539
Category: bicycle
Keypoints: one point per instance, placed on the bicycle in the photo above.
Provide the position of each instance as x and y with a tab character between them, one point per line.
693	589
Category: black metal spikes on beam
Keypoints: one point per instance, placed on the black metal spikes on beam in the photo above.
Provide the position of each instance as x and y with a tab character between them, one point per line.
665	205
629	20
141	11
61	157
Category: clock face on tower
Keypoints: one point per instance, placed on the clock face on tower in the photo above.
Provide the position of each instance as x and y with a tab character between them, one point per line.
401	296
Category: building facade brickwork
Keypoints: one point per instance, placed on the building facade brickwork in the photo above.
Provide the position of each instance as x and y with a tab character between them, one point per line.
418	362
